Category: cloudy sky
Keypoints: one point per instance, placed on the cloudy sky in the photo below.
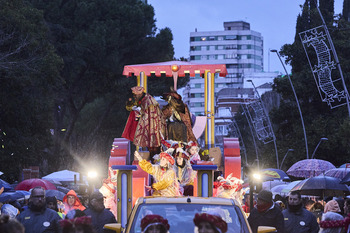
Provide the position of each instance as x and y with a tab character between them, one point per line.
274	19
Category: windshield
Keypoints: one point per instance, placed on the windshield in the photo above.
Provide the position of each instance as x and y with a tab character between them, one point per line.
180	216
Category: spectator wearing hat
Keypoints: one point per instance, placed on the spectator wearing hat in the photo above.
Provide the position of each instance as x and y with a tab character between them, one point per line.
154	223
209	222
98	213
184	171
297	218
266	213
165	180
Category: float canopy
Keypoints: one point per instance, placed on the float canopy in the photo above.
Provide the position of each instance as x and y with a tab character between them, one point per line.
168	69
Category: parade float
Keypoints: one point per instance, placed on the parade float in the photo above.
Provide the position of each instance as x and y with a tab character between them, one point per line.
128	179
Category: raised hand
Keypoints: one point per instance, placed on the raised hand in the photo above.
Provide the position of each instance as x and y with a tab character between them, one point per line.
138	156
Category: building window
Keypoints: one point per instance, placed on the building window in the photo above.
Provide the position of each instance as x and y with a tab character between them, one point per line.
230	46
197	57
220	38
203	38
221	130
197	85
231	56
211	37
231	37
212	57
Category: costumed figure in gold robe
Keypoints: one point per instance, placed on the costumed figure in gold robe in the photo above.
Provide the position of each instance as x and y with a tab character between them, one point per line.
165	180
178	118
184	171
146	123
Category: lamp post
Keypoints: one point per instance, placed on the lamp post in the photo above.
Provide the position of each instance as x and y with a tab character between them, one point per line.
322	139
268	119
296	99
285	157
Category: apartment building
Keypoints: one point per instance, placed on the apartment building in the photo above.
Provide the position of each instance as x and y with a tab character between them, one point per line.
241	49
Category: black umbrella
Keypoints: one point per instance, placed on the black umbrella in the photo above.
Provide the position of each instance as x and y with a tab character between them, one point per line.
321	186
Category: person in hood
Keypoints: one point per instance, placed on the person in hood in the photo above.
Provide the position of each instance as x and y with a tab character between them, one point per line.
98	213
72	202
51	202
266	213
297	218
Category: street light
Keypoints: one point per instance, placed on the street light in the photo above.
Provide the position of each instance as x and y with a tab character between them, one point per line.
268	119
285	157
322	139
296	99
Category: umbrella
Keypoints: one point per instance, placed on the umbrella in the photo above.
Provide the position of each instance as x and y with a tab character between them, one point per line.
7	186
63	189
55	193
274	174
64	176
346	179
289	186
32	183
321	186
337	172
345	165
268	185
309	168
278	189
12	196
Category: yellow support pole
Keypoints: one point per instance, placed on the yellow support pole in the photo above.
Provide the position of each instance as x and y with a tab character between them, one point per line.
209	90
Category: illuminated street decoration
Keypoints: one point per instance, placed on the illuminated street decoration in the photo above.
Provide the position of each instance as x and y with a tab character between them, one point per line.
327	76
259	120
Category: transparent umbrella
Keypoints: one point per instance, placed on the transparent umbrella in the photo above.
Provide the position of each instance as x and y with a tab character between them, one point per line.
309	168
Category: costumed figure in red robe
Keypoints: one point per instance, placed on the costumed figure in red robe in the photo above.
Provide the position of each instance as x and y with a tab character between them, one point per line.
145	123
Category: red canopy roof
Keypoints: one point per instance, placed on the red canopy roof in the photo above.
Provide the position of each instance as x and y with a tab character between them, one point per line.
164	68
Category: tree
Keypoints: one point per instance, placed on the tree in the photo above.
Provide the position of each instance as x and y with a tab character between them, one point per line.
29	71
96	39
320	120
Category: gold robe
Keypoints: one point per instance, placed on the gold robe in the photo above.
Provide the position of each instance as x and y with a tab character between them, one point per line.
166	183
